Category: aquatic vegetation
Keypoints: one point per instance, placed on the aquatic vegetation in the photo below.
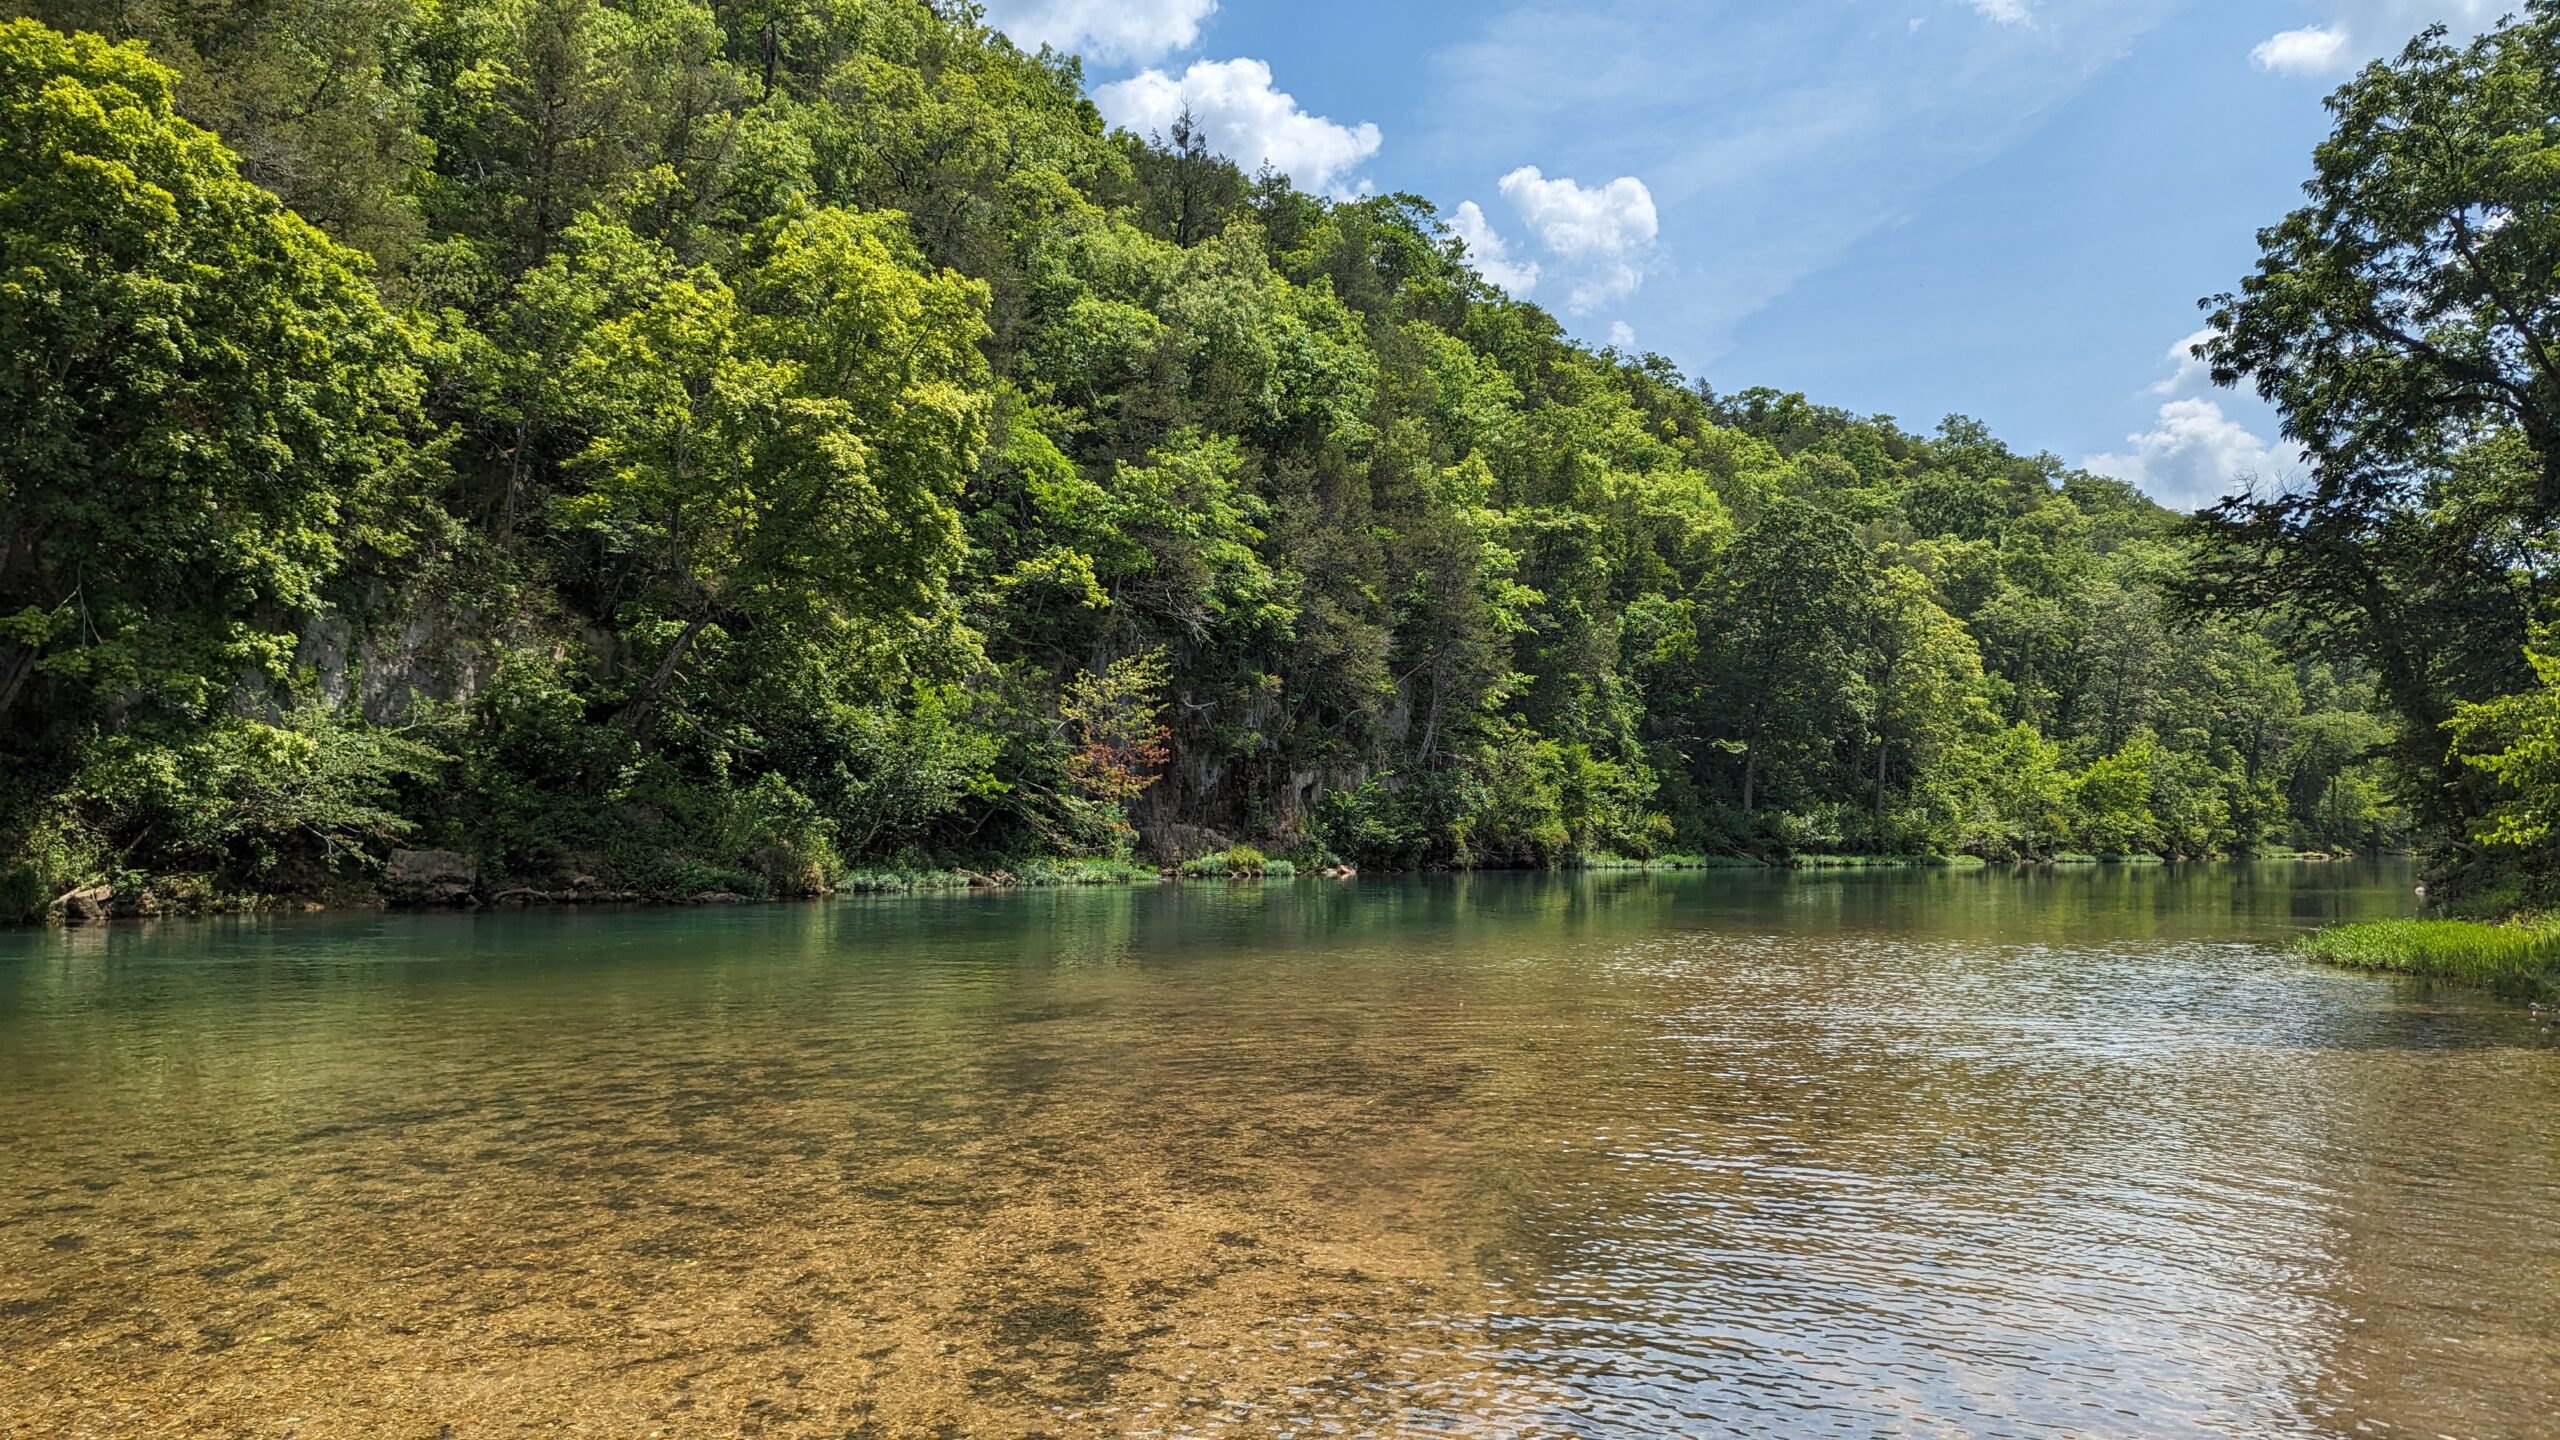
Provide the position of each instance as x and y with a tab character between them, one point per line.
2518	959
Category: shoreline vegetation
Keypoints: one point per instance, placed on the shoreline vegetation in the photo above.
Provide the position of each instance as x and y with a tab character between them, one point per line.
2516	959
422	882
684	449
545	452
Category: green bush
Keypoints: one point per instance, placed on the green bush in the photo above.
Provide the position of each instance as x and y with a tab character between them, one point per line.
24	893
282	806
1238	862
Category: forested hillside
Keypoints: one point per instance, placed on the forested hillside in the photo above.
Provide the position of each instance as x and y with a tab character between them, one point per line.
721	447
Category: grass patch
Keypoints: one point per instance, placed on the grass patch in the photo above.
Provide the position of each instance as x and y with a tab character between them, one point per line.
1055	873
1242	862
2518	959
1043	872
1667	862
1882	862
894	882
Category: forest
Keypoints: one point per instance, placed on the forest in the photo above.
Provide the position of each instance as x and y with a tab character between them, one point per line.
772	446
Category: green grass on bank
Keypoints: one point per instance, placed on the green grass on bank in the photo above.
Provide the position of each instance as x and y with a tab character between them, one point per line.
1038	874
1666	862
2518	959
1887	862
1238	862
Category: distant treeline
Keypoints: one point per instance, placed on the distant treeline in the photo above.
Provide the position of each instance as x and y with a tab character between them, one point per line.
716	446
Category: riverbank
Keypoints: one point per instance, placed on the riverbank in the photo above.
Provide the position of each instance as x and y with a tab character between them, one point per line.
444	880
2516	959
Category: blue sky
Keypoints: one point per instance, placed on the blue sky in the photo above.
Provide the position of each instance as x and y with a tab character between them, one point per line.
2005	208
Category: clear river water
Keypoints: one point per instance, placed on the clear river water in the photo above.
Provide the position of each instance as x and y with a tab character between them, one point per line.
1916	1153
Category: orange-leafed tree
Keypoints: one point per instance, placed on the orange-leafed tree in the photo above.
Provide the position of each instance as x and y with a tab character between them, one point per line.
1115	726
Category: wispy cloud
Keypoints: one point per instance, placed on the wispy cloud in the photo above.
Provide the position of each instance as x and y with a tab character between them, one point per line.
1771	138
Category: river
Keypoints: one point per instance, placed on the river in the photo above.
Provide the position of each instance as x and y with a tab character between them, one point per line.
1920	1153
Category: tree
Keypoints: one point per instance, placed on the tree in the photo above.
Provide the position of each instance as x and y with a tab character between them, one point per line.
315	96
786	453
2406	325
1782	636
2514	740
2414	306
1924	679
1115	724
204	410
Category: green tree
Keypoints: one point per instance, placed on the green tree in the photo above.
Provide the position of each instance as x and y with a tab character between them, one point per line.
787	453
204	410
2405	322
1924	683
1782	636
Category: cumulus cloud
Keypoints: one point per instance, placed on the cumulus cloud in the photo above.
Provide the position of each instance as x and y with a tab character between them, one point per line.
1245	118
2195	454
1490	253
2006	12
1112	30
1603	234
2358	30
2191	373
1622	335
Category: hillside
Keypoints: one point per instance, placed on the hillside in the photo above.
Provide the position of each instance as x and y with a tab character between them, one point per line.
731	447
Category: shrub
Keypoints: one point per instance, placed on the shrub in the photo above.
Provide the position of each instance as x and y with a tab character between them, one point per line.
1237	862
283	805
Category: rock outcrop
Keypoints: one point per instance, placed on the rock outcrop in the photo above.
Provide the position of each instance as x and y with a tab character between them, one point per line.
430	877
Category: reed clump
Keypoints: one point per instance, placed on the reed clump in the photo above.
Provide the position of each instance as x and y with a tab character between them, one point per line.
2519	959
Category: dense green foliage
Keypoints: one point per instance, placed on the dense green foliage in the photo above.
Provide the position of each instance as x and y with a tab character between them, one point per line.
791	439
2406	323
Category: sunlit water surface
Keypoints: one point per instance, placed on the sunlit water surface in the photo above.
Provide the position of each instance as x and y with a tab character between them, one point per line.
1921	1154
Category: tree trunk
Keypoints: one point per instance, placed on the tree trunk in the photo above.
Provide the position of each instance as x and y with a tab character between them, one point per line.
643	706
17	678
1750	771
1882	748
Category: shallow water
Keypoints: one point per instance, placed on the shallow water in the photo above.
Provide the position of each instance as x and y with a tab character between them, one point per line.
1902	1153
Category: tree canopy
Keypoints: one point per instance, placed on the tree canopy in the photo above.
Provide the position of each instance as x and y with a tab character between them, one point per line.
776	440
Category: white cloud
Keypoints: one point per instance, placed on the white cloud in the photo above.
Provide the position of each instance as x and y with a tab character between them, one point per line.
2006	12
1112	30
2311	50
2358	30
1490	253
1244	118
1604	234
1622	335
2191	373
2195	454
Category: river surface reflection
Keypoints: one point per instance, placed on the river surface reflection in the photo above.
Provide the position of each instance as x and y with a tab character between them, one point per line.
1913	1153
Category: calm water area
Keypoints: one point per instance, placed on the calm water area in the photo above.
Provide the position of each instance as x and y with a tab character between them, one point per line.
1911	1153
